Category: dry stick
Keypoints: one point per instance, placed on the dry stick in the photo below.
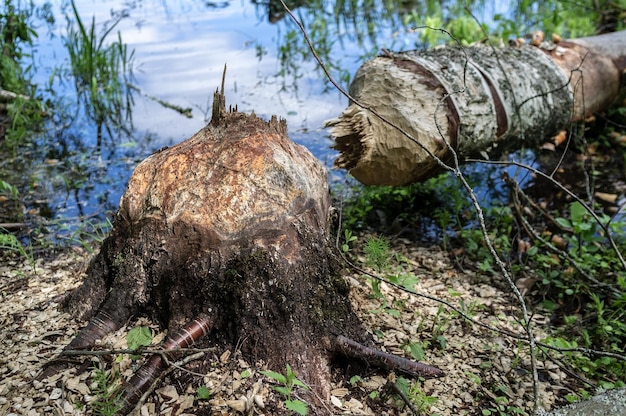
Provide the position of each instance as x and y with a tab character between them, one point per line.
468	318
354	100
525	316
393	385
10	225
526	319
317	396
531	340
148	373
379	358
142	351
531	231
168	370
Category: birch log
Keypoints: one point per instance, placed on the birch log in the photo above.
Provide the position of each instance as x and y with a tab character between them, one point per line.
411	110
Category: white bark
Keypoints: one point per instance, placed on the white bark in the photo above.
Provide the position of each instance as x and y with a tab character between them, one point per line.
476	101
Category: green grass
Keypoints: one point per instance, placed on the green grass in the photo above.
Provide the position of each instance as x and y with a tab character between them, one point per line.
102	72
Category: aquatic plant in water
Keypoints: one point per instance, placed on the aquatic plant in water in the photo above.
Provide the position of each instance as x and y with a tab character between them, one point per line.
102	73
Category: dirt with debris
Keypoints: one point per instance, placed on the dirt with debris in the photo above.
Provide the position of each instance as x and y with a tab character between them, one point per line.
485	371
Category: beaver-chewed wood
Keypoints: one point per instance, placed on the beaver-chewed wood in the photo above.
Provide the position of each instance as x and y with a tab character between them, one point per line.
225	237
231	225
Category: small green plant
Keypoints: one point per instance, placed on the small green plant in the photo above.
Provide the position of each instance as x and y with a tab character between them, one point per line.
355	380
84	233
138	337
378	253
413	391
102	74
108	390
288	382
10	243
416	350
203	393
501	406
348	239
10	191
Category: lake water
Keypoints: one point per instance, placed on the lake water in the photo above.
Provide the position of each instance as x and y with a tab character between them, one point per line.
180	52
181	48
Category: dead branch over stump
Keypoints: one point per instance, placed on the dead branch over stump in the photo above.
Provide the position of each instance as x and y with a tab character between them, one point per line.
226	235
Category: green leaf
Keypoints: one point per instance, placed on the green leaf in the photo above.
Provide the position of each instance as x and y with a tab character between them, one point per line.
453	292
393	312
297	406
442	341
298	383
203	393
276	376
578	212
355	379
408	280
283	390
563	222
138	337
417	351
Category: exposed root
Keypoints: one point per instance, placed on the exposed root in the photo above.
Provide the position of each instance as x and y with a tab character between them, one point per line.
99	326
385	360
149	372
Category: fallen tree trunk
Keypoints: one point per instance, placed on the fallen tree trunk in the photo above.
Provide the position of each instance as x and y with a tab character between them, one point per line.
226	237
412	108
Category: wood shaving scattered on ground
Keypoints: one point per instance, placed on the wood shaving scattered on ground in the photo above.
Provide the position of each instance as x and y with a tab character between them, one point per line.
483	368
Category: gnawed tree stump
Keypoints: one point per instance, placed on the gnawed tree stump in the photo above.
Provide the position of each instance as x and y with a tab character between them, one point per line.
227	235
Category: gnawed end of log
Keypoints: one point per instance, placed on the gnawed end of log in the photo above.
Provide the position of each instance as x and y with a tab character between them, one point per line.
412	108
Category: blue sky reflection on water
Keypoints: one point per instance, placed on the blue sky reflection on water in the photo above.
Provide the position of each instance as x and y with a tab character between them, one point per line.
180	52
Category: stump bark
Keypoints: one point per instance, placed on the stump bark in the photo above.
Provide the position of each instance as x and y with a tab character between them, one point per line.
226	235
230	224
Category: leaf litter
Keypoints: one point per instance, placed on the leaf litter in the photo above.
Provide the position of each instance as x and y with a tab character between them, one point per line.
483	368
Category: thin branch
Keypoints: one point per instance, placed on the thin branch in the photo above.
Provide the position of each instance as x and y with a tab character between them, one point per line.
157	381
471	320
526	322
330	78
141	351
562	187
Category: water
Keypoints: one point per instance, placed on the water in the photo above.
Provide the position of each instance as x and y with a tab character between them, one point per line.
180	52
181	48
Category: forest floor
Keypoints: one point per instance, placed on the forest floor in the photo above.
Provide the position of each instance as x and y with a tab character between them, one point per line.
486	372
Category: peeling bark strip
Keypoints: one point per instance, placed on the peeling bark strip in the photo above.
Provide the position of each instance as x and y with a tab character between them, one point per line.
477	100
147	374
388	361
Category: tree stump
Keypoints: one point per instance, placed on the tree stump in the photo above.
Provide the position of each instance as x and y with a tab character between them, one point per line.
227	235
230	225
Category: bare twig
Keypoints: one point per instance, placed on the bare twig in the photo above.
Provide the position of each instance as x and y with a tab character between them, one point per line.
351	348
526	320
605	228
